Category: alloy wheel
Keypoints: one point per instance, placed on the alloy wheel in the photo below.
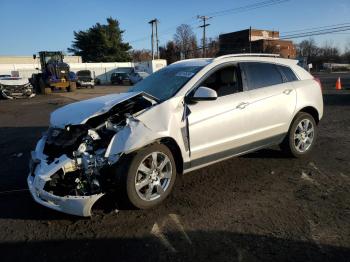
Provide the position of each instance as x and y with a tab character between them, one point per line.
304	135
153	176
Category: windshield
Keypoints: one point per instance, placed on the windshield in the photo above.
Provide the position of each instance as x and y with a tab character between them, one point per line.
165	83
84	73
124	69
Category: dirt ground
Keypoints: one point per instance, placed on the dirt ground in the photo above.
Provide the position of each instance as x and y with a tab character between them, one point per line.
258	207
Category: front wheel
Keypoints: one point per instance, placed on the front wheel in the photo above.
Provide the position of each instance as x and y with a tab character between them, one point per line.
149	176
301	136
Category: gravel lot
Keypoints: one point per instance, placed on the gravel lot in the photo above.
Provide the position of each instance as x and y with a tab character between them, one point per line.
258	207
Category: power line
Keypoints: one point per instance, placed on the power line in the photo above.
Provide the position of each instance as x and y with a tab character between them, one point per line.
317	27
317	32
246	8
239	9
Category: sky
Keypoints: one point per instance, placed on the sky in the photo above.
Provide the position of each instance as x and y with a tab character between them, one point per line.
31	26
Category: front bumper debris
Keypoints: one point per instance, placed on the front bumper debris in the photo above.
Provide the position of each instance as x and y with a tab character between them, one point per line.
41	172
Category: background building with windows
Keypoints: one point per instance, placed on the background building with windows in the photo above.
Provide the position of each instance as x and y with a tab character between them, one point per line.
256	41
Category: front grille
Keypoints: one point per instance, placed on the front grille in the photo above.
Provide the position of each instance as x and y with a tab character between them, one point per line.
14	89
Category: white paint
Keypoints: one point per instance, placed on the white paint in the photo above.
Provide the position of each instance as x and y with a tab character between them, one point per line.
80	112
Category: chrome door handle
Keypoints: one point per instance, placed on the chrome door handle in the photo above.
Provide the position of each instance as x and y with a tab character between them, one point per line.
287	91
242	105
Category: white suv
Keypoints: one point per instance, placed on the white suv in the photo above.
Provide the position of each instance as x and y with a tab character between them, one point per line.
186	116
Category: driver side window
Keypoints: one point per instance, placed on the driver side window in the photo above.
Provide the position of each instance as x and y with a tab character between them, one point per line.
225	81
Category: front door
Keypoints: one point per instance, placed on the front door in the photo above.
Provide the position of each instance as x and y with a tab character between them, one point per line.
219	126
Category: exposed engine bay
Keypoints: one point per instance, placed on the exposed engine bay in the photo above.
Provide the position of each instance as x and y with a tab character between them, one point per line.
86	144
73	162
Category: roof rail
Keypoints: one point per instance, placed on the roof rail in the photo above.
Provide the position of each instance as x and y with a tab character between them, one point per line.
247	54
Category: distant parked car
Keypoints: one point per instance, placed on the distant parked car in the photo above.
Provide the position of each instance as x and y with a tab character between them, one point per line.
136	77
121	75
85	79
15	87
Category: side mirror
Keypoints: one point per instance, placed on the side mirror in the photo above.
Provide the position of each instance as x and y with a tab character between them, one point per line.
34	56
204	94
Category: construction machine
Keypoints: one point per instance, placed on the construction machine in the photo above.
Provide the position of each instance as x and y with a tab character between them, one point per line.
54	75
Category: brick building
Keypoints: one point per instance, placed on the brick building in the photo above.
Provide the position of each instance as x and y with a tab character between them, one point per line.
255	41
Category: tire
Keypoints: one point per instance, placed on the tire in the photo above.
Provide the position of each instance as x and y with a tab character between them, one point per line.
130	176
72	87
301	136
44	89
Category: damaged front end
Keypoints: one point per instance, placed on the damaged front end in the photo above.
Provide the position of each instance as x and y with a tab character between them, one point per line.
14	87
70	167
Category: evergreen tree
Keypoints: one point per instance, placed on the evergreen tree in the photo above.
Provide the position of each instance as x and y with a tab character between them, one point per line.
101	43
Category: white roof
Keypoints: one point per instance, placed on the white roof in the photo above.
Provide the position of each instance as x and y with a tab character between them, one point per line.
272	58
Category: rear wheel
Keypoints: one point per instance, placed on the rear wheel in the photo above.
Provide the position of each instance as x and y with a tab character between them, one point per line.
149	176
44	89
301	136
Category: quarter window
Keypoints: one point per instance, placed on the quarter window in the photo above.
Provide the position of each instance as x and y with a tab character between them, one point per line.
260	75
288	73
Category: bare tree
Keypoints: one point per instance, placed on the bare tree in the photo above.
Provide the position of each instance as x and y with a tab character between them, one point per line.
346	54
141	55
308	48
212	47
186	41
329	52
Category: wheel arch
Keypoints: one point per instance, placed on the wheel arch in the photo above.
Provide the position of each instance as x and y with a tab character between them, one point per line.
175	150
312	111
173	147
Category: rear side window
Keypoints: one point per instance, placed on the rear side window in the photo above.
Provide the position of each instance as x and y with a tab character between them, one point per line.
260	75
288	73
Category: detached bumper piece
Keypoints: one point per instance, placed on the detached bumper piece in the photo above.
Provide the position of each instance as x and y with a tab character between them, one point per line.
40	178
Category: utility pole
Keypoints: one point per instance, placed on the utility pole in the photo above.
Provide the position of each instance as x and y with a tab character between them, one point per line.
250	39
157	40
204	19
154	25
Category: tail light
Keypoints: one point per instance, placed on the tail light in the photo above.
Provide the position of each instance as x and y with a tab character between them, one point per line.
319	82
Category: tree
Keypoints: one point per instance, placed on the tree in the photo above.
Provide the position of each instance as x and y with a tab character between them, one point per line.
329	53
170	52
308	48
186	41
141	55
101	43
212	47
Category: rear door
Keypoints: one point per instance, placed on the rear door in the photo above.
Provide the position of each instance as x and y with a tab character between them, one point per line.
272	101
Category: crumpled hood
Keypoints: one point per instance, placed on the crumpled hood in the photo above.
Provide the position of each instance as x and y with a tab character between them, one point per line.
80	112
14	81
